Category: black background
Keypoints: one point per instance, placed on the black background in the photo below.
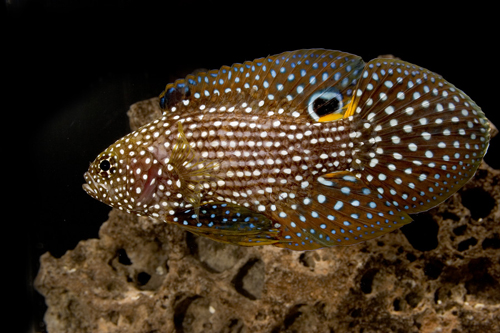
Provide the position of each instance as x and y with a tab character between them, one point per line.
72	69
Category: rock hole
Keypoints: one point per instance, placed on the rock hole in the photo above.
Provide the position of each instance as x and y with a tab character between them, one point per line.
250	279
180	312
143	278
355	313
491	243
113	317
459	231
442	294
123	257
367	280
411	257
433	268
482	284
422	232
466	244
450	216
396	304
167	268
308	259
481	173
111	286
413	299
236	325
292	315
478	202
191	243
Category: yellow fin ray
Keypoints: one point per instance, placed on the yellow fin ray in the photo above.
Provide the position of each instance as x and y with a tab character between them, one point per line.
191	173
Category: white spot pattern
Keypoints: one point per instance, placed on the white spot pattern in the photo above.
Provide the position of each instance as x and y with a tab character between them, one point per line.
247	145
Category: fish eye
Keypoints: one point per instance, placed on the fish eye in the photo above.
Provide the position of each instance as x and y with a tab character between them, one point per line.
105	165
325	102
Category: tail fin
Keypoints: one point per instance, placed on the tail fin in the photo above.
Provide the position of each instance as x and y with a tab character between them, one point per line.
419	137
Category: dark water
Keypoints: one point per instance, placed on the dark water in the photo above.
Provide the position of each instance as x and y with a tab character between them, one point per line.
74	69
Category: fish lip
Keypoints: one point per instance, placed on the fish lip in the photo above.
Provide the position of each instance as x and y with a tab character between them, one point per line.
87	188
90	187
94	188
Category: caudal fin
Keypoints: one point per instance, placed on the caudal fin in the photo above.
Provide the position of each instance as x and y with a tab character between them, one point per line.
420	138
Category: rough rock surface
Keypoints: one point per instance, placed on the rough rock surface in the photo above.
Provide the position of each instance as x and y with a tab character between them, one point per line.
441	273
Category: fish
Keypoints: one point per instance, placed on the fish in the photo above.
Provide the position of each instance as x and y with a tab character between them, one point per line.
301	150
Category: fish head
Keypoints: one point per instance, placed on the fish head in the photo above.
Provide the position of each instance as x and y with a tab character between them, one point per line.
147	175
106	178
124	175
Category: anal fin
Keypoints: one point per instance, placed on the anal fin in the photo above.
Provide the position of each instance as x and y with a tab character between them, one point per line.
340	210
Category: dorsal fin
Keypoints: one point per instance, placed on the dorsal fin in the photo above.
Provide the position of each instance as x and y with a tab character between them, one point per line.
304	81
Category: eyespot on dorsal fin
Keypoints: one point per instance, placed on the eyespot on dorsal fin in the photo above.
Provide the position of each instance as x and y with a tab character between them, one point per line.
308	84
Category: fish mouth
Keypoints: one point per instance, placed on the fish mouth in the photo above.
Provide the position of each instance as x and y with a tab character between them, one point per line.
92	187
87	188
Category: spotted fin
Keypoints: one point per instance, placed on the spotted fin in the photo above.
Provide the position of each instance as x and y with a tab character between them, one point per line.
422	137
340	210
229	223
306	83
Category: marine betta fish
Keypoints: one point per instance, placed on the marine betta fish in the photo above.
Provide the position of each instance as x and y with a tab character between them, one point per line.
301	150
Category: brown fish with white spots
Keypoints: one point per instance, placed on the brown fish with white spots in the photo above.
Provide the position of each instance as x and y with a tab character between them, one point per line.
302	150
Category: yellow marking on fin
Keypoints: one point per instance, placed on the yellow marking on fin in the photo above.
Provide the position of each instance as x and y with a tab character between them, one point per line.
351	108
331	117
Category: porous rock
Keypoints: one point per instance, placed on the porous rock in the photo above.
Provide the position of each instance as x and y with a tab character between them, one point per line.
440	273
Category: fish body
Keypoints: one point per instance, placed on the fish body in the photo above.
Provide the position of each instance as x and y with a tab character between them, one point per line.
302	150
